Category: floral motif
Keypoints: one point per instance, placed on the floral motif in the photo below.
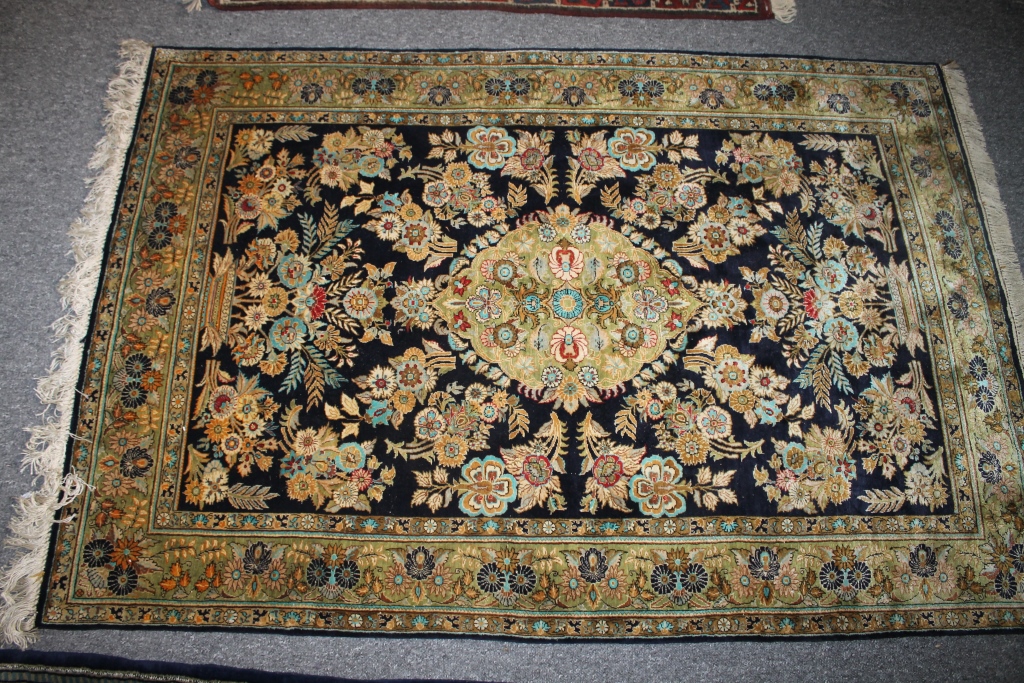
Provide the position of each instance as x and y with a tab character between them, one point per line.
609	308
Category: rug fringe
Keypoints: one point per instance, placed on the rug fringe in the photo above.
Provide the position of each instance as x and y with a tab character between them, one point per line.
992	209
45	452
192	5
784	10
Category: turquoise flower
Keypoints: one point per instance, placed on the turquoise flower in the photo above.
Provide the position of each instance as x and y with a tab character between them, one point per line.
389	202
379	412
489	147
294	271
656	488
288	334
831	276
634	148
567	303
349	456
841	333
768	412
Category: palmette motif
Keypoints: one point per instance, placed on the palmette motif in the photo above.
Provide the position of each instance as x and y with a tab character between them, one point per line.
690	339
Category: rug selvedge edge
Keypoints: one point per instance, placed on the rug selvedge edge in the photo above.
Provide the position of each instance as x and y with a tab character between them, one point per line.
983	174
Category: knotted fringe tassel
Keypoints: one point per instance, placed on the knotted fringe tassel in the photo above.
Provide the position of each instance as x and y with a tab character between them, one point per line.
993	212
192	5
44	455
784	10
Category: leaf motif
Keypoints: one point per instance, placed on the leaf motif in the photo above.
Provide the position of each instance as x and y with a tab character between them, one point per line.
314	379
805	378
882	501
136	514
814	240
593	429
308	230
516	195
821	143
610	197
822	380
328	222
349	405
331	413
411	451
839	378
434	261
793	406
761	476
706	345
295	371
696	261
625	423
196	461
293	134
518	423
253	497
722	478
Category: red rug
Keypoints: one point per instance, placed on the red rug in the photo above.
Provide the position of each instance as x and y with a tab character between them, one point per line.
668	9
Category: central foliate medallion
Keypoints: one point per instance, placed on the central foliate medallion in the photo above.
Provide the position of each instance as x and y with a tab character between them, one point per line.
565	298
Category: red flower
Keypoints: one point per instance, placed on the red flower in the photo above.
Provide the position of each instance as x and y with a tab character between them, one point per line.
675	323
810	301
361	478
671	286
461	284
461	324
319	300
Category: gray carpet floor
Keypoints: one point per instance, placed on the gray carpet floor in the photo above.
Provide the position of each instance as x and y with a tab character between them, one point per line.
56	57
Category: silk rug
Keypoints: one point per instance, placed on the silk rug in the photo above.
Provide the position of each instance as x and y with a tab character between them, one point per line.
546	344
783	10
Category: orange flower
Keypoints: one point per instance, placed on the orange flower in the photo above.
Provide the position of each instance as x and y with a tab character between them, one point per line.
126	553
